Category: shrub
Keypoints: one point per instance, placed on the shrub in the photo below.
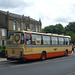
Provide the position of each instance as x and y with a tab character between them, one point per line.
2	51
2	48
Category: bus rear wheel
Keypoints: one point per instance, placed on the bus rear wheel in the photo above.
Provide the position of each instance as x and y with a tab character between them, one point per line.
43	56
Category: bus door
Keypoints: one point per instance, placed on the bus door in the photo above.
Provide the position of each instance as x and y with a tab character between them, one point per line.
28	42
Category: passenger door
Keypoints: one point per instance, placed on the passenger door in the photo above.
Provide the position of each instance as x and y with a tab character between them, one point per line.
28	42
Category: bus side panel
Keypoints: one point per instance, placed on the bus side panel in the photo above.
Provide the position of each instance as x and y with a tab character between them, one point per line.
55	54
32	56
49	55
69	52
35	52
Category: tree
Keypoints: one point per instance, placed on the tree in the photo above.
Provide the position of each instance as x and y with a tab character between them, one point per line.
59	29
70	30
48	29
72	34
70	27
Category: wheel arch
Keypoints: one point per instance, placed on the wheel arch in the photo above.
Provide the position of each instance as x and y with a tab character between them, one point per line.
44	51
66	50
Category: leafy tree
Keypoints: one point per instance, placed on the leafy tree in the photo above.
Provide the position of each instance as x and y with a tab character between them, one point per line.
70	27
48	29
72	34
70	30
73	37
59	29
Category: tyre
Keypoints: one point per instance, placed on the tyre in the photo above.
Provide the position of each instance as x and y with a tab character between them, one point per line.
66	53
43	56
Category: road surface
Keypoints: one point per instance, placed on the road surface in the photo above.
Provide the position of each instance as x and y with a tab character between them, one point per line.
53	66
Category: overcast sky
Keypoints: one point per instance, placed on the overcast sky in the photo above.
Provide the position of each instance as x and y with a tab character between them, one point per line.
51	12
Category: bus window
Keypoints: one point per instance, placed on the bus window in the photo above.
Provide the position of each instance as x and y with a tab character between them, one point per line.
66	41
54	41
61	41
70	42
28	39
36	39
11	36
15	37
22	38
46	40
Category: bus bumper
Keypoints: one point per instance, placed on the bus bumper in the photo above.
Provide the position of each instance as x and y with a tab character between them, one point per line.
16	58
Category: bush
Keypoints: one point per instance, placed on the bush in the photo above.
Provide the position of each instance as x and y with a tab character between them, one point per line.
2	51
2	48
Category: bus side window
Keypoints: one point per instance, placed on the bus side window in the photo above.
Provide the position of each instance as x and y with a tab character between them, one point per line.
54	40
66	41
61	40
36	39
70	42
28	39
46	40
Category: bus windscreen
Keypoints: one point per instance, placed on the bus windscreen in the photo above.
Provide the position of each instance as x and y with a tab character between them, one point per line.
15	37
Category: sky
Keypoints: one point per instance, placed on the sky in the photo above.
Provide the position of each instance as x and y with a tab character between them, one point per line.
51	12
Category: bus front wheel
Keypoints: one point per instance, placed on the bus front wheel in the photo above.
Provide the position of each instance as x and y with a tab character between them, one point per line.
43	56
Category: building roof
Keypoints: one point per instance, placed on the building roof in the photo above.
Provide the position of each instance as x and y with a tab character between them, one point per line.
17	16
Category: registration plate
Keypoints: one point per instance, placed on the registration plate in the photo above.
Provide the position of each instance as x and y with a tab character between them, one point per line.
13	56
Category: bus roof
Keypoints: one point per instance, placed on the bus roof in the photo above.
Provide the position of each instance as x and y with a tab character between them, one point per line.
42	33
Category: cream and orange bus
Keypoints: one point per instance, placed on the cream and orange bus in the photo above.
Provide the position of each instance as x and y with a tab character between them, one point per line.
24	45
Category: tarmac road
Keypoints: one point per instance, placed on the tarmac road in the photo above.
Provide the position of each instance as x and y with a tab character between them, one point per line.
54	66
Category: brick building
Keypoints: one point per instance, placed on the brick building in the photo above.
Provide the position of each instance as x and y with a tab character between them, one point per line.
11	21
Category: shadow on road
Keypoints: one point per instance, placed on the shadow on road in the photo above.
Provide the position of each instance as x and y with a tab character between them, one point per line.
37	60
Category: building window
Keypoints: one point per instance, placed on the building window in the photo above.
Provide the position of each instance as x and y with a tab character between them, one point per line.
27	27
46	40
19	25
37	28
14	25
3	42
4	32
33	27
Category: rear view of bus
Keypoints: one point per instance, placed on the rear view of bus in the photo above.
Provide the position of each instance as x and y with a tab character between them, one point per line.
33	45
14	46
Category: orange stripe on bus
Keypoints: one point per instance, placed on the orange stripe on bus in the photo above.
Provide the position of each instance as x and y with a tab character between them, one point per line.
32	56
49	55
69	52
